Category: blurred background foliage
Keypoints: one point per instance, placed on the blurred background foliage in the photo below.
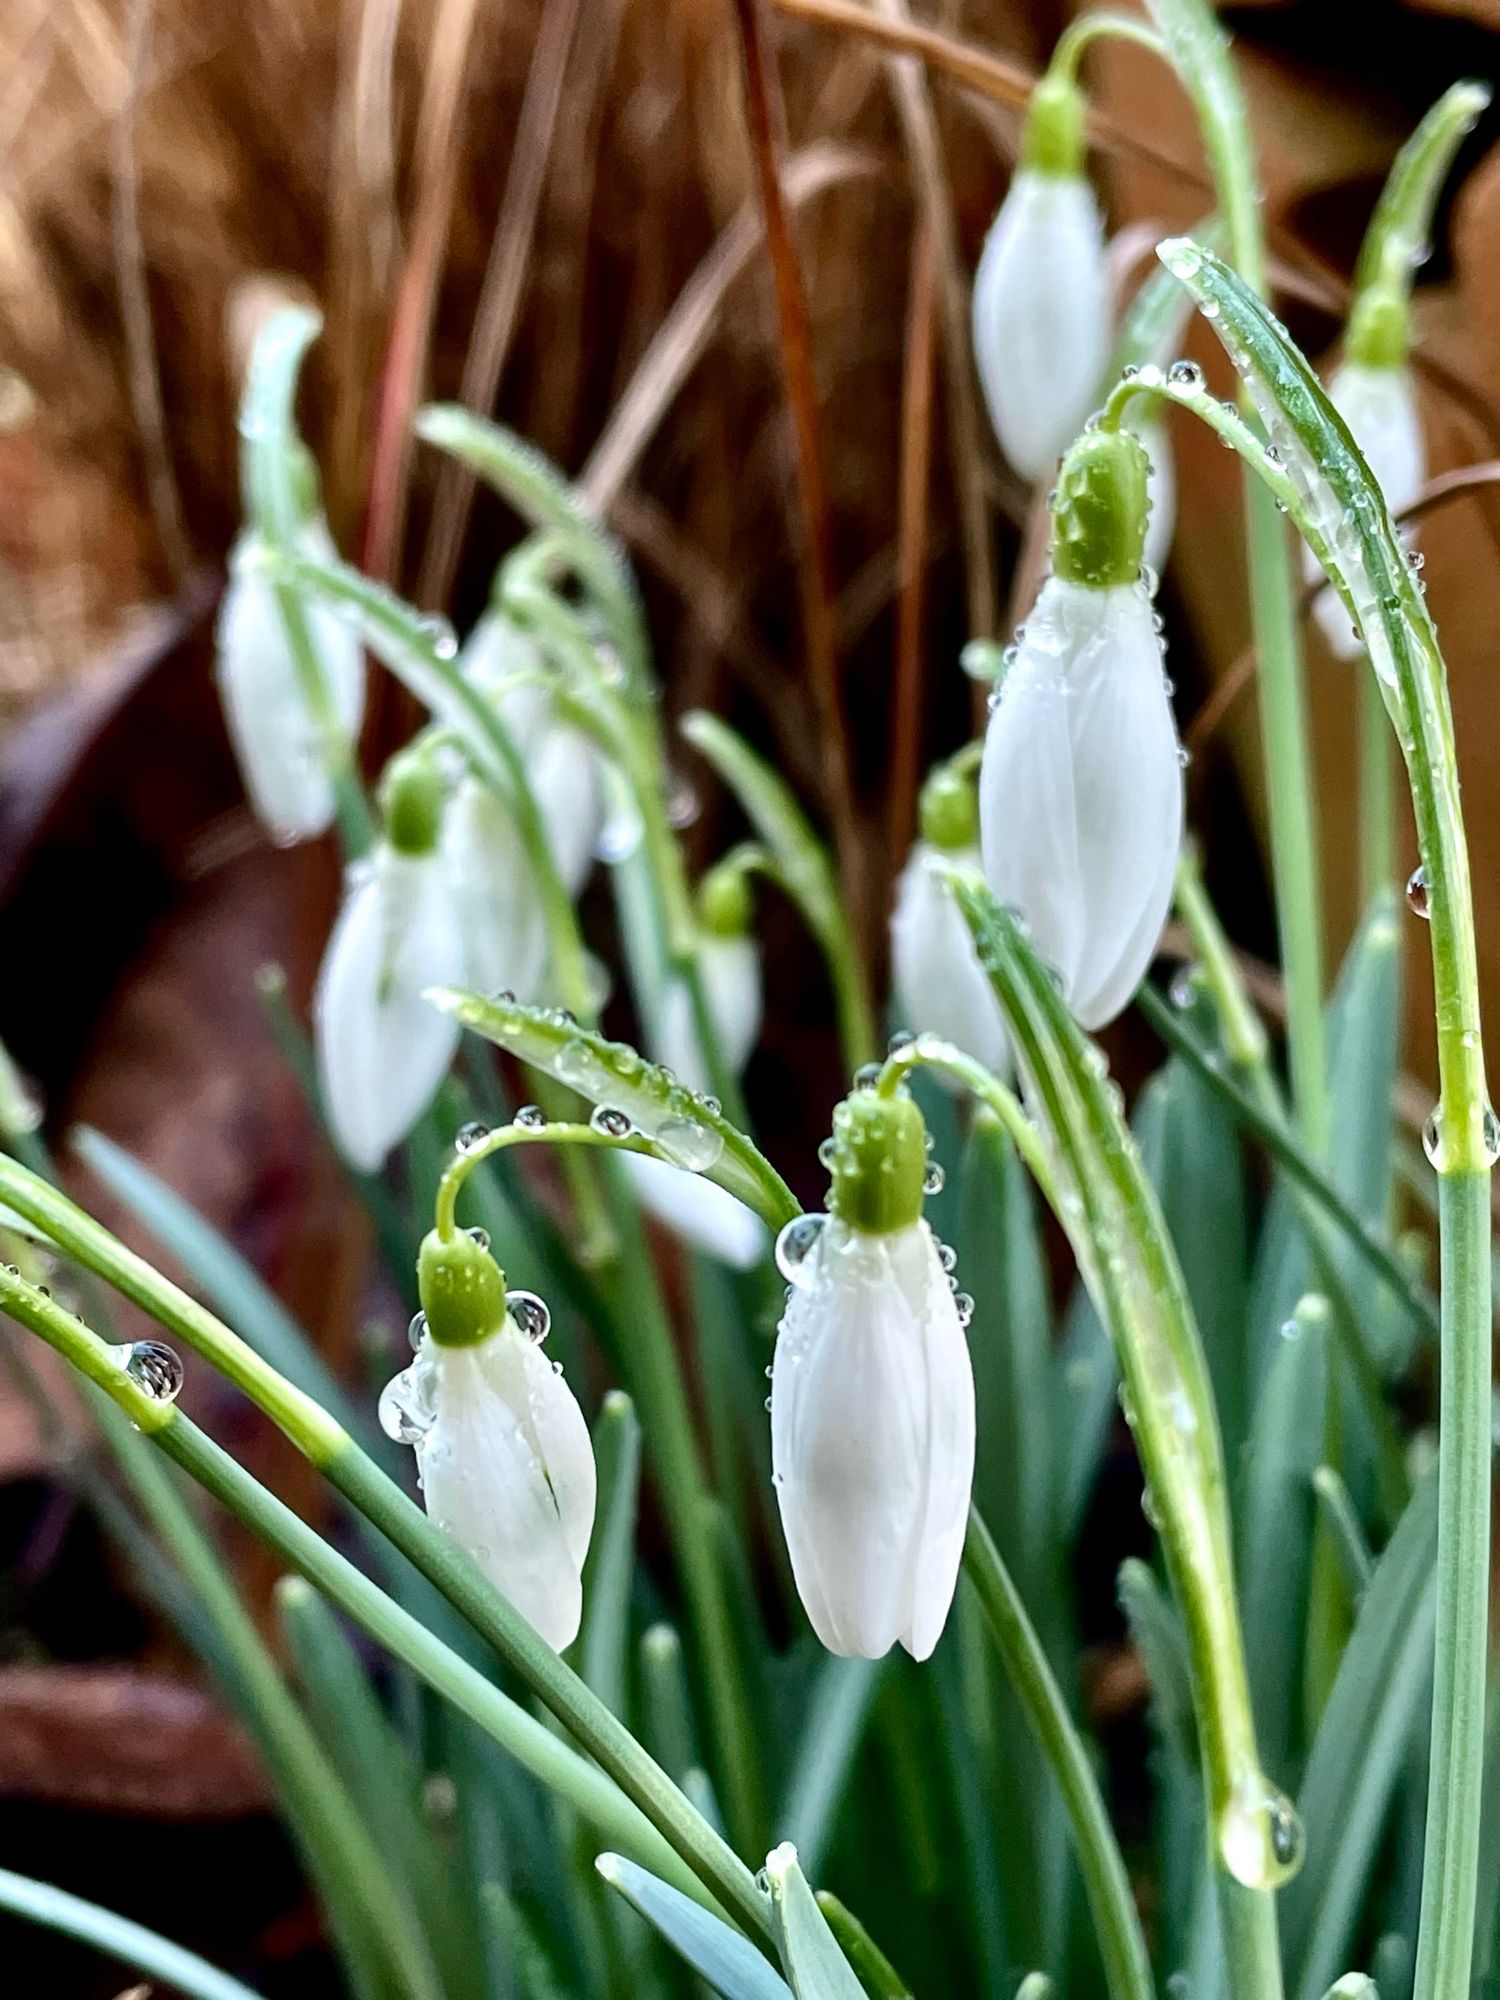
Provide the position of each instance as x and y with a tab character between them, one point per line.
549	210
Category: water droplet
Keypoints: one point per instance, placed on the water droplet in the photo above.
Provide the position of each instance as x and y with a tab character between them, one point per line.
1432	1137
479	1237
902	1039
1490	1137
576	1065
827	1153
530	1118
964	1306
532	1315
1185	375
867	1076
405	1410
934	1178
416	1331
682	801
154	1367
1184	755
795	1246
1184	988
711	1105
687	1142
1260	1835
607	1119
470	1137
947	1256
1417	894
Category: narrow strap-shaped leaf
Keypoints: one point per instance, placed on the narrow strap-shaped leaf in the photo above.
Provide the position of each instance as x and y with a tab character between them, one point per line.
133	1944
729	1962
809	1950
877	1975
611	1558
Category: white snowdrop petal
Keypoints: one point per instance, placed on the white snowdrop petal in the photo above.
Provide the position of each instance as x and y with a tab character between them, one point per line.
1081	791
382	1049
1042	316
271	728
564	771
495	898
732	988
698	1210
857	1421
1380	407
941	988
1161	491
507	1471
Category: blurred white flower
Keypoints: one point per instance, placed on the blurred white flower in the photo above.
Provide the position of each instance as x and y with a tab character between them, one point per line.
275	737
506	1461
1379	404
382	1049
698	1210
494	893
872	1425
940	986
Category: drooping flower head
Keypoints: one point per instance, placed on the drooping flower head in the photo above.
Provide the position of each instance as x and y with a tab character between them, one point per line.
506	1461
273	726
872	1396
1373	391
1080	788
382	1048
941	988
1041	291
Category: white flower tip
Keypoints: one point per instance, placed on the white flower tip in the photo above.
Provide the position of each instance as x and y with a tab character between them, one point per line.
611	1868
449	999
781	1862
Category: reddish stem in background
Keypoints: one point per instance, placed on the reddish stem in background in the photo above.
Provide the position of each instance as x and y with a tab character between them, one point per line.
815	568
911	541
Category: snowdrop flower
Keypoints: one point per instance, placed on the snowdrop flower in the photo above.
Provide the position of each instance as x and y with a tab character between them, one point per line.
706	1215
1041	291
1373	392
505	1458
382	1049
561	762
1080	788
494	893
872	1396
275	734
941	988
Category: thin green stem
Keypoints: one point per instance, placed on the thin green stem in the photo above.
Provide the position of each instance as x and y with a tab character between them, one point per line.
1127	1965
1377	794
1085	28
932	1052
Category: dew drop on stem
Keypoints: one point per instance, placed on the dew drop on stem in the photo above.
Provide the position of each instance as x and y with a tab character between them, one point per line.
153	1367
1417	893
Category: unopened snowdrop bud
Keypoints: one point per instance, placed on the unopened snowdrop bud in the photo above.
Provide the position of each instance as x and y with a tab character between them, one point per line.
506	1462
382	1048
696	1209
1080	789
941	988
1373	391
1041	292
275	734
872	1396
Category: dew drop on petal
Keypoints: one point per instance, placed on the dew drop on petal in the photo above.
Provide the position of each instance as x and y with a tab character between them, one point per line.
153	1367
1417	894
933	1179
532	1315
405	1413
963	1305
947	1256
416	1331
795	1246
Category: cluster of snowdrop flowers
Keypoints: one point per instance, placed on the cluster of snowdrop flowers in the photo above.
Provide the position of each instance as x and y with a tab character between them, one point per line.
504	1456
1081	782
1373	391
872	1395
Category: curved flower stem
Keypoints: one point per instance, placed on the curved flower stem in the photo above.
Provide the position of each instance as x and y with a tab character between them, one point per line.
1127	1965
1093	27
1341	513
1198	50
267	439
932	1052
366	1487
